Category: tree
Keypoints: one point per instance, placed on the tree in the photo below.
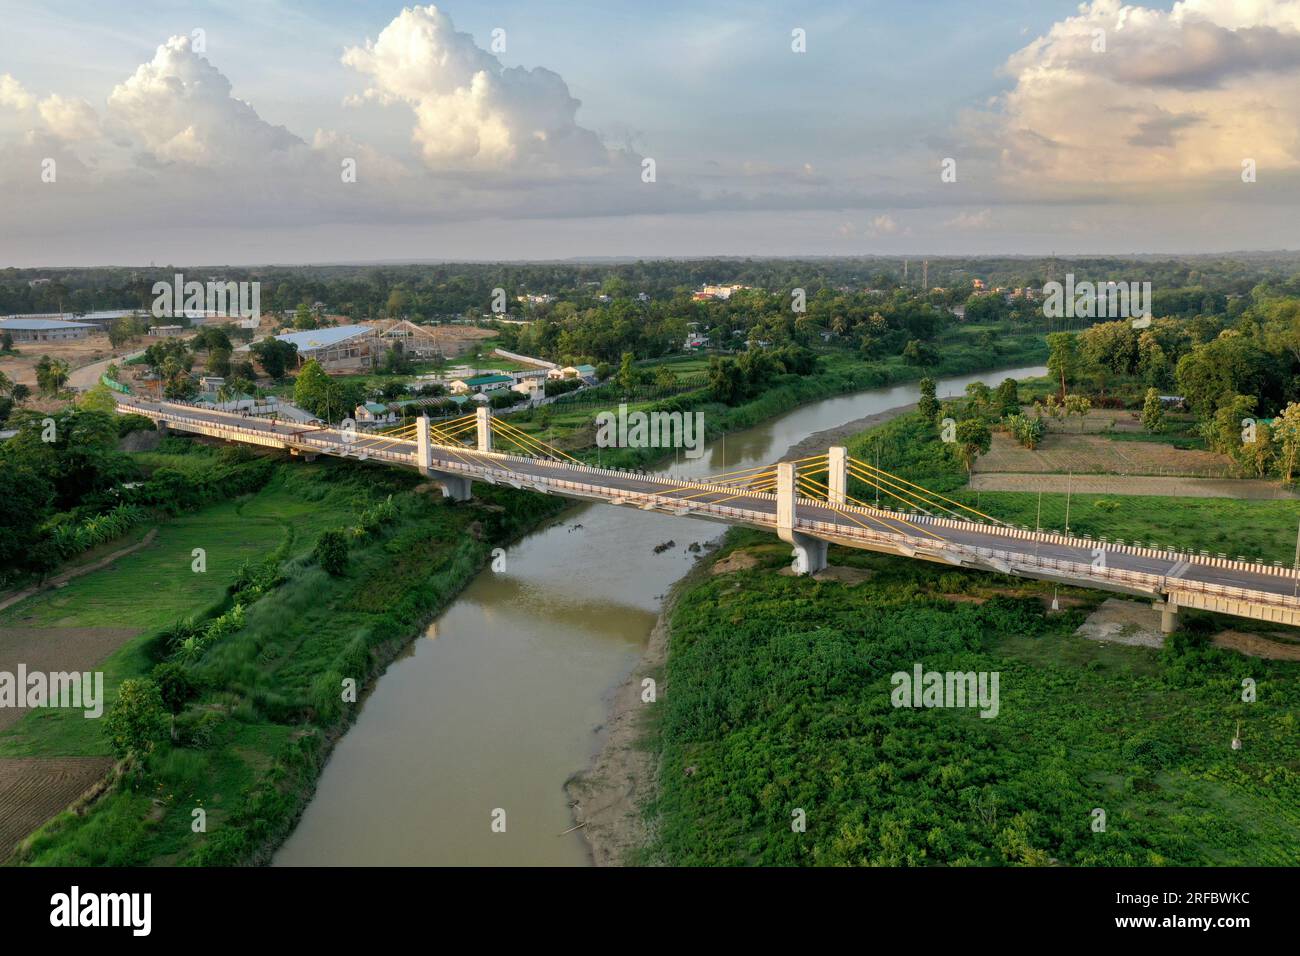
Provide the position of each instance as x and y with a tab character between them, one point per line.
726	381
1257	456
99	399
1008	396
137	721
275	356
1078	405
973	439
312	388
1286	431
174	685
25	494
331	553
1062	358
219	361
122	330
1153	412
916	352
928	405
51	375
980	395
628	376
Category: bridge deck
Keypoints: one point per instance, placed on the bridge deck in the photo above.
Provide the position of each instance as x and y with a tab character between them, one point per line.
1184	579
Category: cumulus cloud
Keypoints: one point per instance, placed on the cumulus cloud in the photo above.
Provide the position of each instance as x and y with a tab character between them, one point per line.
69	119
970	220
13	95
1124	95
883	225
471	113
180	108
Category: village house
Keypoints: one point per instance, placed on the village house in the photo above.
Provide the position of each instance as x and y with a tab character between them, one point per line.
479	384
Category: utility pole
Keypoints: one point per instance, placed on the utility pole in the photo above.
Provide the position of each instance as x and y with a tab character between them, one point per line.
1069	478
1038	520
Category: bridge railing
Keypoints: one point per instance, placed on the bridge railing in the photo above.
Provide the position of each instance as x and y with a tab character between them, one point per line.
1156	583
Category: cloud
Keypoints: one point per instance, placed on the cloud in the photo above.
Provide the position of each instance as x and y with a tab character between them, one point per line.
982	219
1121	97
13	95
68	118
179	107
883	225
471	112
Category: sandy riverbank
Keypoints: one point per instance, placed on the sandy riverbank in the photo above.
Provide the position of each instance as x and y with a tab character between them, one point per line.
818	442
609	798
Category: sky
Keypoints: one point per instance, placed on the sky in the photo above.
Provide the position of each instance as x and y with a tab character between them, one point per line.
296	132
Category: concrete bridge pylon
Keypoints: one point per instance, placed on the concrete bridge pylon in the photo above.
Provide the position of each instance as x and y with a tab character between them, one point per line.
483	421
809	552
456	487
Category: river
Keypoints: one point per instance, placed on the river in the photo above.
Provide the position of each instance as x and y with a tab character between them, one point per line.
496	704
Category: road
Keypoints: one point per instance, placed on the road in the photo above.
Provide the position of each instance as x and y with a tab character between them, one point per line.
856	526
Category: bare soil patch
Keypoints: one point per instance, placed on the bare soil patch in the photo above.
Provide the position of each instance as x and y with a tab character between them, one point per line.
1123	622
55	649
849	577
1061	452
1172	487
738	560
35	789
1257	645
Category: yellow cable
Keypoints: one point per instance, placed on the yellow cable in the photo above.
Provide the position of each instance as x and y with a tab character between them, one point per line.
928	491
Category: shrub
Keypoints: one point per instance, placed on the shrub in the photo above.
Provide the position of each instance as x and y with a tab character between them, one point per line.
331	553
137	720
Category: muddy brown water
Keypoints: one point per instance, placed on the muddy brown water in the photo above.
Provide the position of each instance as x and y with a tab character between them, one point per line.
500	700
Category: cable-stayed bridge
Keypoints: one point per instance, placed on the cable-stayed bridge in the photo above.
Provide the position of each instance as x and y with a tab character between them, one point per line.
805	502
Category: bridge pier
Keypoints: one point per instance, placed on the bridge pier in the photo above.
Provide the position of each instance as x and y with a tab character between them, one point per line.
483	416
456	487
809	552
1168	616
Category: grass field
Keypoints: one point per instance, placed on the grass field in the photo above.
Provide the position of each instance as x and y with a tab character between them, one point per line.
250	744
912	449
779	699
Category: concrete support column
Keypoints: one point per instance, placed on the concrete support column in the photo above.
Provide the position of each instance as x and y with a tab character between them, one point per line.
423	446
457	487
785	495
837	479
1168	617
484	416
809	552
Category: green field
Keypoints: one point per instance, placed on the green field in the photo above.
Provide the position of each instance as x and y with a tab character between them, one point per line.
779	699
251	741
911	449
